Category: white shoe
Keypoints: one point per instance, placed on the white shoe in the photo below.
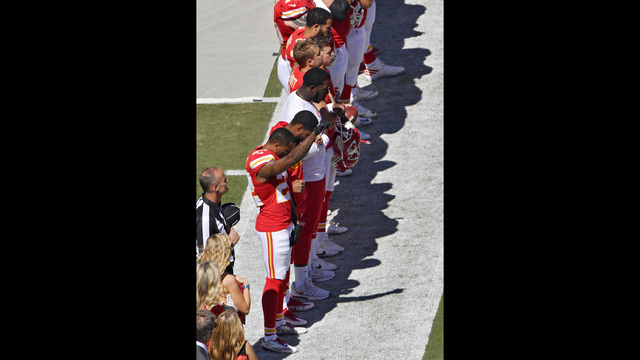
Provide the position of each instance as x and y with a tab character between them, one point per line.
319	264
362	121
288	329
364	135
364	112
321	275
328	244
335	229
381	70
322	252
298	305
309	291
362	94
278	345
344	173
292	319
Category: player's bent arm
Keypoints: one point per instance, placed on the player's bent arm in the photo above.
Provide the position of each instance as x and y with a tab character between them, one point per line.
297	22
275	167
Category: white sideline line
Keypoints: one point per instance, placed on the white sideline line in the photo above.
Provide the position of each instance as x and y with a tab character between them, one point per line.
235	172
242	100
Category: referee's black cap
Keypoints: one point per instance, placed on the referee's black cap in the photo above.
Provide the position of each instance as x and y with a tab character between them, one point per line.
231	213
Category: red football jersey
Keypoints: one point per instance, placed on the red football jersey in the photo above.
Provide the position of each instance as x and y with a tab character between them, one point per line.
294	173
288	10
296	79
271	197
287	54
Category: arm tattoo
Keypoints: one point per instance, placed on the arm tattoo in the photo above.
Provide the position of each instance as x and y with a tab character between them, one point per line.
301	150
275	167
301	21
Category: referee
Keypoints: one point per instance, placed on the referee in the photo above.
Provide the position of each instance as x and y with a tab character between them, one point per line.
209	217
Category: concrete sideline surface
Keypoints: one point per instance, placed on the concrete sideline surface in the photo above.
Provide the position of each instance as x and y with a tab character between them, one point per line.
390	277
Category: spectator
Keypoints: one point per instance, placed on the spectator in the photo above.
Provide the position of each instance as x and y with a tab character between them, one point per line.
209	217
208	286
228	339
235	290
205	323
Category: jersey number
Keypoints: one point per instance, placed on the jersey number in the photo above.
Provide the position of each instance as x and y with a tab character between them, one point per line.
282	190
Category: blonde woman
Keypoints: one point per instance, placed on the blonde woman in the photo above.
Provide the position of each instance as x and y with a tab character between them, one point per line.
208	286
235	290
227	340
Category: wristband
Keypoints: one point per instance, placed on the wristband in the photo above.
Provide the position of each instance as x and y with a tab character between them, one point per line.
330	107
245	286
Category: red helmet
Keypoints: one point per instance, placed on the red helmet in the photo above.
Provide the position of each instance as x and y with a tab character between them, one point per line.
346	145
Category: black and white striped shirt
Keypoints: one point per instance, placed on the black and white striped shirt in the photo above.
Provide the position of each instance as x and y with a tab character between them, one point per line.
209	221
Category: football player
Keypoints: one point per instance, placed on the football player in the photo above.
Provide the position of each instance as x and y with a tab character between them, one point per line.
288	15
266	170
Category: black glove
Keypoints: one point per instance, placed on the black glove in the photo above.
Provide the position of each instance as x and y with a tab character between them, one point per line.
322	126
294	235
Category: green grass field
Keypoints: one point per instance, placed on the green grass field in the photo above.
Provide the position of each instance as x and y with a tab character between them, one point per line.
227	133
225	136
435	346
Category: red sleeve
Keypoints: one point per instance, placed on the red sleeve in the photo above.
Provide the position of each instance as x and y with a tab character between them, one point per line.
291	43
295	173
296	79
290	10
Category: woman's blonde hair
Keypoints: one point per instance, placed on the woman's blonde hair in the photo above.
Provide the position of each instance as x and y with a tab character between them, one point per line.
208	285
228	336
217	250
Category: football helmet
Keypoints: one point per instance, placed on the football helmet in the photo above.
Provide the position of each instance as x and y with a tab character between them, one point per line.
346	144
